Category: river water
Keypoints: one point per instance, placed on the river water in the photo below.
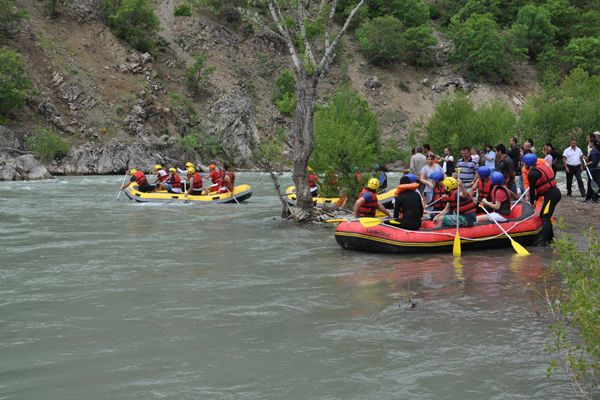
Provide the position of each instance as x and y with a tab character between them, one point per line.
103	299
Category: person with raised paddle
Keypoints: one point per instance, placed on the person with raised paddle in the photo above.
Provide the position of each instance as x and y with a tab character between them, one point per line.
497	208
542	183
408	205
460	208
140	178
367	203
161	176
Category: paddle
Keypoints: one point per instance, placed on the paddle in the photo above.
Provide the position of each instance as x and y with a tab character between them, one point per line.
365	221
592	181
122	183
456	251
518	248
519	199
233	195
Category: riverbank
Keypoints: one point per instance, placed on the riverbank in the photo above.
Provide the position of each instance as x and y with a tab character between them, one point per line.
577	216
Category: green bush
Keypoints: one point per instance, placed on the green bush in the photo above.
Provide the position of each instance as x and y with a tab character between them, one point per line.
197	140
10	17
133	21
14	82
196	75
380	39
533	30
456	123
564	17
411	13
481	47
221	8
183	10
47	145
481	7
284	92
346	135
418	46
583	53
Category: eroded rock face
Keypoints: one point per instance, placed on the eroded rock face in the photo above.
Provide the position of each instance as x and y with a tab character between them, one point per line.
15	163
233	122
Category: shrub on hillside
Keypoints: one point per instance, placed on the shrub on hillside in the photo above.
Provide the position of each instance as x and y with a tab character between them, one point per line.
284	92
133	21
481	47
183	10
10	17
221	8
198	73
583	53
46	144
564	17
479	7
14	82
380	39
411	13
457	123
533	30
418	46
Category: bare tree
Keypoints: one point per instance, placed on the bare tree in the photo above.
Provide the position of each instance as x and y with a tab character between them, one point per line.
311	58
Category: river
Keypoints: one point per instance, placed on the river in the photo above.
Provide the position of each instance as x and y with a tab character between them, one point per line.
103	298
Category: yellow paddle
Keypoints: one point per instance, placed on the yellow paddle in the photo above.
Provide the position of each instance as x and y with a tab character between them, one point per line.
517	246
366	222
456	251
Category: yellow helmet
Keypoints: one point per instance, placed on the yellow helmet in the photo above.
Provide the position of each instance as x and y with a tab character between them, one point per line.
173	170
450	183
191	170
373	184
133	171
309	169
157	167
189	164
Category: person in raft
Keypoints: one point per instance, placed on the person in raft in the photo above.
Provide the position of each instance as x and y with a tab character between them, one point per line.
466	207
227	180
367	203
482	187
140	178
542	184
195	182
499	205
438	201
161	176
312	182
408	204
173	184
215	178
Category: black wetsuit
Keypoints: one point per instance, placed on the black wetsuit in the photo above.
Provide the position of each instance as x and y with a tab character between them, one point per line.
551	199
411	205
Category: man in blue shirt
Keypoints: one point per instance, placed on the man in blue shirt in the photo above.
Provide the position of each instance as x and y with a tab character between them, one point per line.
467	168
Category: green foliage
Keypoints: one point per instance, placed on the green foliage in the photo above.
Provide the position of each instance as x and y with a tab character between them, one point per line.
221	8
533	30
561	110
479	7
584	53
564	17
481	47
196	75
456	123
346	135
199	141
10	17
418	46
14	80
133	21
575	306
380	39
46	145
411	13
284	92
183	10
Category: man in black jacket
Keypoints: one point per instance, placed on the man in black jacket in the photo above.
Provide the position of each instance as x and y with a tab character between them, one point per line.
410	204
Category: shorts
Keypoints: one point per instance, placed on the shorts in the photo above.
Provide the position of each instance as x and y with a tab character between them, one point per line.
167	186
464	219
494	216
194	192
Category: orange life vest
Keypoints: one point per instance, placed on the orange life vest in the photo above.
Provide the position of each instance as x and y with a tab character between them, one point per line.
546	181
368	209
197	185
140	178
405	187
484	189
466	205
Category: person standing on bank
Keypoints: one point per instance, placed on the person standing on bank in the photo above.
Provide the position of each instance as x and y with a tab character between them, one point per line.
506	165
593	164
467	168
572	160
515	154
448	162
425	177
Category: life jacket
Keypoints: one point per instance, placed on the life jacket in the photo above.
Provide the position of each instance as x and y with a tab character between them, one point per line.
368	209
228	187
438	192
140	178
546	181
215	177
162	175
484	189
466	205
525	171
505	205
176	182
406	186
312	180
197	185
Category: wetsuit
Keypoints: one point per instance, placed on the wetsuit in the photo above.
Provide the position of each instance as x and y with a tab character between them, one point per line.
542	183
411	205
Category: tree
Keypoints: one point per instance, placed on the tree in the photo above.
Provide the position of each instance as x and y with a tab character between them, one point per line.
197	74
133	21
411	12
418	46
14	80
584	53
311	60
533	30
284	96
380	39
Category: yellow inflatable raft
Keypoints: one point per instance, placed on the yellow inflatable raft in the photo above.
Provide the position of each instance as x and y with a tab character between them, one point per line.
240	193
385	198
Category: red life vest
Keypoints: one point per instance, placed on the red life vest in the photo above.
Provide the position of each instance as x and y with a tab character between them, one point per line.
176	182
484	189
197	185
546	181
438	192
505	205
228	187
312	180
140	178
162	177
368	209
466	205
215	177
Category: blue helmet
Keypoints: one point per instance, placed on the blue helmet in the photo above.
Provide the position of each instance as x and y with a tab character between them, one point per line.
376	166
529	159
484	172
497	178
437	176
412	177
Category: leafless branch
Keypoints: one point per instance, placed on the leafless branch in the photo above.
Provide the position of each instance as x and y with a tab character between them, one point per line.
301	16
330	23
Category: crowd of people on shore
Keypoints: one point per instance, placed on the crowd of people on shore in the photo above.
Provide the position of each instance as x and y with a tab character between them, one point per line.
479	186
222	180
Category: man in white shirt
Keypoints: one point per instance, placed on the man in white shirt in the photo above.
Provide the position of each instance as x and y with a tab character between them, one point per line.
448	162
572	160
417	162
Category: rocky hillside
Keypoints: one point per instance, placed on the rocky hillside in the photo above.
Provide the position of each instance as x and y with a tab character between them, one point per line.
118	107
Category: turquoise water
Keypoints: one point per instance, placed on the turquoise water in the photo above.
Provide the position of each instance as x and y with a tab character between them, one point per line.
102	298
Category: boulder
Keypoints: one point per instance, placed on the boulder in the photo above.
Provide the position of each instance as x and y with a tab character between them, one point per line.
373	83
232	121
22	168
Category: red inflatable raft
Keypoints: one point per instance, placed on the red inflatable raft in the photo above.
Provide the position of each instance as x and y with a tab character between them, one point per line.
524	226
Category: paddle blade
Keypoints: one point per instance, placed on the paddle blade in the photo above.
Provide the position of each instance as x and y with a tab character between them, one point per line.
369	222
335	221
456	250
547	209
518	248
